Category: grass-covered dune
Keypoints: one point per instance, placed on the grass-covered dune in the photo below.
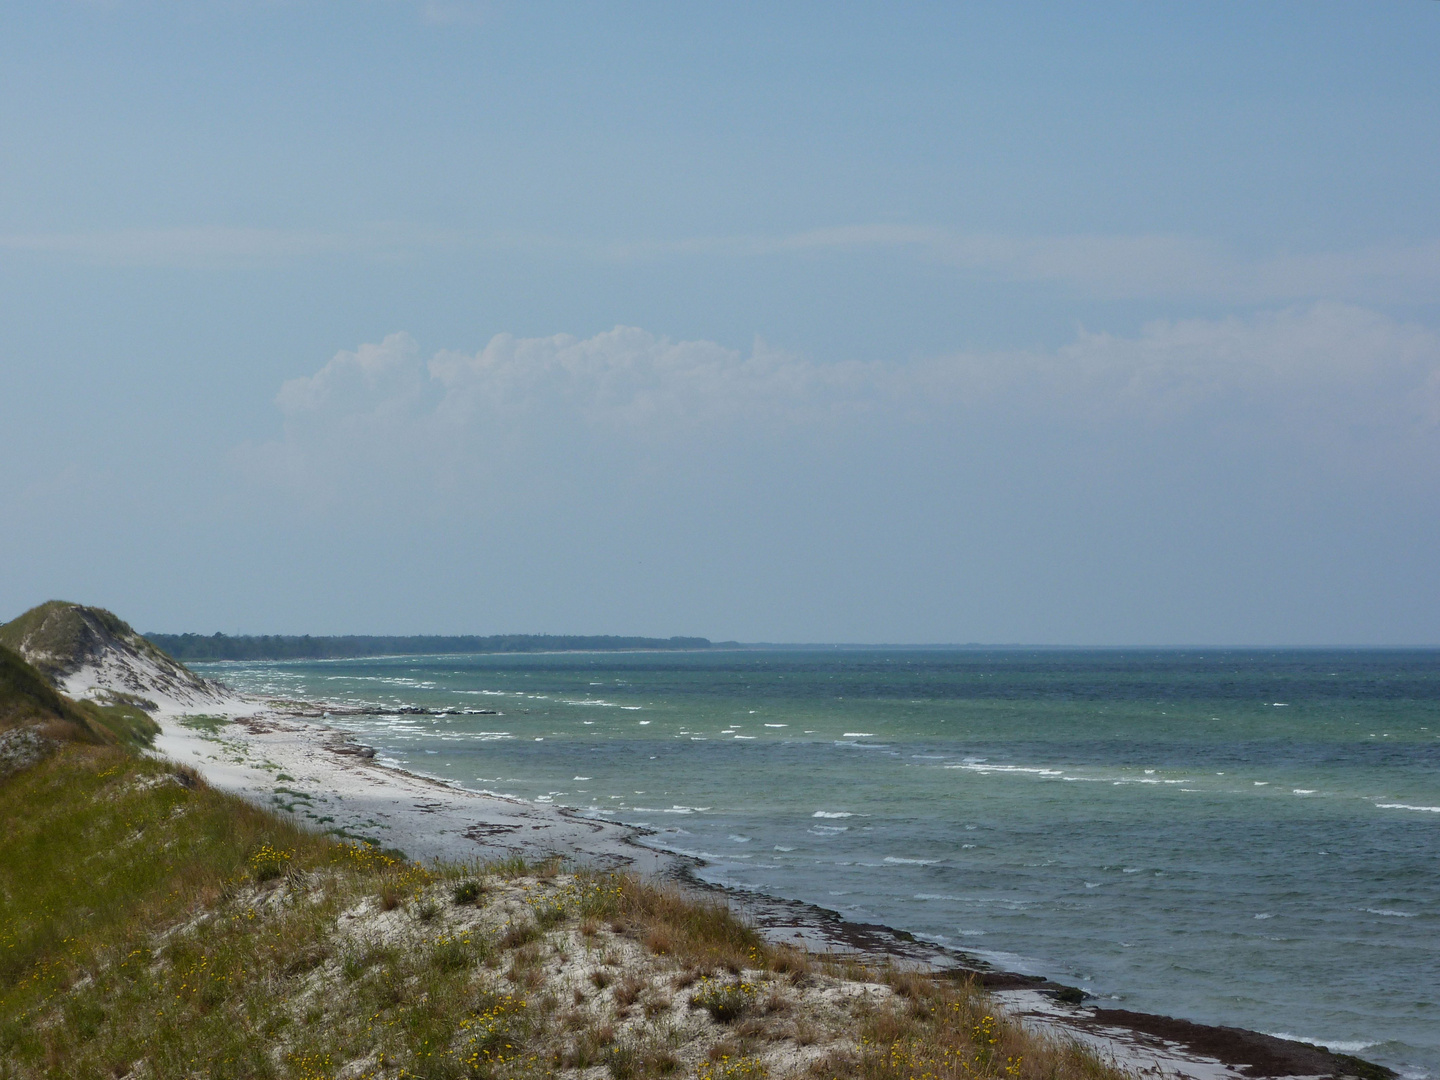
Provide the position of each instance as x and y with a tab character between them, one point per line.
34	716
153	927
58	636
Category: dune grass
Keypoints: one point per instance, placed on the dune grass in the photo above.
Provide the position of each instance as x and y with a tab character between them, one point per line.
28	700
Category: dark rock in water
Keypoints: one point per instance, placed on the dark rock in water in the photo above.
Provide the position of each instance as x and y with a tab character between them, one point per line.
1255	1053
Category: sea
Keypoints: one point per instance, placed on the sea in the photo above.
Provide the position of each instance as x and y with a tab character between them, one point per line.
1249	838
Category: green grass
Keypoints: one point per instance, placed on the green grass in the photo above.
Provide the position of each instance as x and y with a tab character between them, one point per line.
211	725
28	700
57	635
51	629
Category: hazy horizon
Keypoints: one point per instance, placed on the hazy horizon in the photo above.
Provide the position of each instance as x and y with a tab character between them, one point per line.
991	323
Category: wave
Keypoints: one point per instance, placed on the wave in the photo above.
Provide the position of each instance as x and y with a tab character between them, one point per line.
832	814
1407	806
1339	1045
677	809
981	768
897	860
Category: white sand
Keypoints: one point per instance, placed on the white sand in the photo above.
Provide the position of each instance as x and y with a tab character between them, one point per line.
280	755
318	775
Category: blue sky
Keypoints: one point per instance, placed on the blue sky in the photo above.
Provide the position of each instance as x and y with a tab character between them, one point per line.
1112	323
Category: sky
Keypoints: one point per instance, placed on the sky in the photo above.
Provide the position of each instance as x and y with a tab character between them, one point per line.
1102	324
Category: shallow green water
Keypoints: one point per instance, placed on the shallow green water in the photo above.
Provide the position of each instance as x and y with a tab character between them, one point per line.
1235	837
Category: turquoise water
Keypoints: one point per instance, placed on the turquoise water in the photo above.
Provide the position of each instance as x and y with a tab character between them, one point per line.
1247	838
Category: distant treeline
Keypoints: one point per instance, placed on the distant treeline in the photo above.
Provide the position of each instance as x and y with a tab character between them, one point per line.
304	647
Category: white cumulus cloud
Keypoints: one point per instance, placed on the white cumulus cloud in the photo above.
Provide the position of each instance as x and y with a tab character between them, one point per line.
1344	382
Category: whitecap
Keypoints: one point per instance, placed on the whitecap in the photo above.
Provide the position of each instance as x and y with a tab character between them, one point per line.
654	810
738	839
1407	806
859	735
1265	915
896	860
832	814
1392	914
986	769
782	847
1339	1045
934	896
777	725
1303	790
750	737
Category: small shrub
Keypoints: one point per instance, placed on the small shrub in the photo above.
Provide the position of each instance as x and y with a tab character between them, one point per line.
911	984
467	892
631	1058
512	866
518	934
427	911
268	863
307	959
352	967
776	1004
391	897
450	954
550	916
723	1001
742	1068
629	990
589	1047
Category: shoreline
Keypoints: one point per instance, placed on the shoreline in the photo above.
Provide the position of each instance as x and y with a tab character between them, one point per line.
284	756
